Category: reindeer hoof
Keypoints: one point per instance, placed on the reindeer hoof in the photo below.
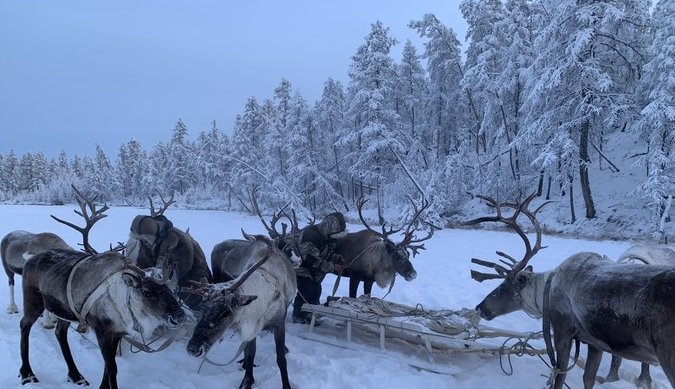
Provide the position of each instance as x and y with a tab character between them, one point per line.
79	381
30	379
643	383
610	378
12	309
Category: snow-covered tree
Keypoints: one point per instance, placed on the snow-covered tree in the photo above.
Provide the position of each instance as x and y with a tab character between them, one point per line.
372	113
657	121
581	81
180	157
446	103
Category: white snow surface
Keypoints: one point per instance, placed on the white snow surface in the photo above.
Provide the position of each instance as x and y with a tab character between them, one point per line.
443	282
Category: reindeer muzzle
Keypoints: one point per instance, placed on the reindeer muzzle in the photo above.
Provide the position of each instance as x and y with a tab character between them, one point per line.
197	351
411	276
483	313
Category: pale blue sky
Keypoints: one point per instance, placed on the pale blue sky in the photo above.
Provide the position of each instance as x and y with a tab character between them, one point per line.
75	73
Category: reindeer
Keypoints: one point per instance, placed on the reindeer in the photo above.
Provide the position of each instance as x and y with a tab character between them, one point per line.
255	301
373	257
154	241
622	309
18	246
648	255
104	291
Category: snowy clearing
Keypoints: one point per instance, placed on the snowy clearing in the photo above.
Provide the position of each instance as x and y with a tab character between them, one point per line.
443	282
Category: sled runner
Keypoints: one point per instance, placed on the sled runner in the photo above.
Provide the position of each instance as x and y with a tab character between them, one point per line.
438	331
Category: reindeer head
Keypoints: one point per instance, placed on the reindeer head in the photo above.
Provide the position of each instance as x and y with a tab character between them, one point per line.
221	304
508	296
152	303
400	252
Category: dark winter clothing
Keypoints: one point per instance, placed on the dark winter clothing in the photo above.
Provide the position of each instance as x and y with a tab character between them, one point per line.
316	248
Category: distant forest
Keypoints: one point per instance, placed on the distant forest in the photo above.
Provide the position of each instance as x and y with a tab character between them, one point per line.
529	107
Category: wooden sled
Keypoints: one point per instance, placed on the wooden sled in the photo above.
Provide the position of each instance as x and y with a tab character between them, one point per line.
438	331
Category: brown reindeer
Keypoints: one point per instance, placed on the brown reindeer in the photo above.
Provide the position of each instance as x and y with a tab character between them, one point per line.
372	257
18	246
622	309
155	242
103	291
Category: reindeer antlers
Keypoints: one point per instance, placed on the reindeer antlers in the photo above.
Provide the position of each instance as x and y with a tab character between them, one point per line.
272	227
96	215
384	234
165	204
514	266
409	234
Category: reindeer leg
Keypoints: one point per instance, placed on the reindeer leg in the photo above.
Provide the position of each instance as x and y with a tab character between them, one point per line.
249	356
353	286
613	374
108	344
12	304
280	345
592	363
33	305
644	381
74	374
563	346
367	287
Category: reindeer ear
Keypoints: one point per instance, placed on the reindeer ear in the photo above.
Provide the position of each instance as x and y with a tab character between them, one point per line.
131	280
243	300
529	268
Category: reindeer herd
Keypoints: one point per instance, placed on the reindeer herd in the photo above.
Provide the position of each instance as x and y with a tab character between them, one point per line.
160	278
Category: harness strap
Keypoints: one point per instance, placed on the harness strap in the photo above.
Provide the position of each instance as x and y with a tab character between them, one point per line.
89	302
146	348
546	323
242	346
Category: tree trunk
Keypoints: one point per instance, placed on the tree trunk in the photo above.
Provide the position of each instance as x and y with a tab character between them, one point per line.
540	185
571	190
584	180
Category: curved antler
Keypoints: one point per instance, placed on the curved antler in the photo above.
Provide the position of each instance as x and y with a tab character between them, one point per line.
384	234
514	265
409	235
165	204
86	205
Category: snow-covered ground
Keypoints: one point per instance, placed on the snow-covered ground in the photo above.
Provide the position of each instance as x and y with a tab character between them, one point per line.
443	282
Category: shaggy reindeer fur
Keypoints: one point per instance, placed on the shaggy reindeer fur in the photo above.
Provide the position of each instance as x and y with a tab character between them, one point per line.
623	309
259	303
372	260
130	302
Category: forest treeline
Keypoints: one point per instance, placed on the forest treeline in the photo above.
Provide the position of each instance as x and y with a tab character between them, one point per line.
529	106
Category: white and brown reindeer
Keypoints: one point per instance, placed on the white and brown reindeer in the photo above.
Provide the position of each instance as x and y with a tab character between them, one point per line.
372	256
155	242
17	247
256	300
104	291
622	309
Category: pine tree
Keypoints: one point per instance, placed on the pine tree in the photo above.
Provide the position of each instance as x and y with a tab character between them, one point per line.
180	155
657	120
372	112
446	103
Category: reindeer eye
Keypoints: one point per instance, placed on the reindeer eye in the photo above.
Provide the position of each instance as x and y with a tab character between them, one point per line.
211	325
